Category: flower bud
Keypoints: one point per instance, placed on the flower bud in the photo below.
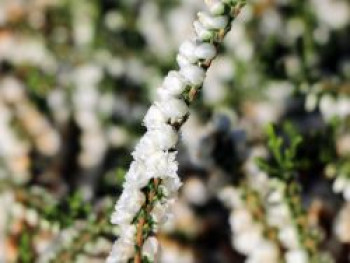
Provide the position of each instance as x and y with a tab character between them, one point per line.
187	49
201	32
193	74
174	83
173	109
182	61
205	51
212	22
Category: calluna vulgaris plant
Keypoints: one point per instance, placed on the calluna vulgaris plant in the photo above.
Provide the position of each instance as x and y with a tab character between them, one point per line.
152	180
257	170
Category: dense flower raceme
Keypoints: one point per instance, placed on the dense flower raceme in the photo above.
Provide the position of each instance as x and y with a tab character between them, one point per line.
152	180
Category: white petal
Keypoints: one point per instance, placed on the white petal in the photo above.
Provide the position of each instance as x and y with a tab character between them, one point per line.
201	32
216	7
205	51
174	83
154	118
296	256
150	248
193	74
339	184
173	109
346	192
187	49
182	61
212	22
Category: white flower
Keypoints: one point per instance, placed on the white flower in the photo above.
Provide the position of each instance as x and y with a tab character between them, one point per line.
121	252
160	212
171	185
216	7
161	164
296	256
340	184
202	33
164	94
231	197
187	49
278	215
127	206
195	191
127	234
266	251
342	224
12	89
240	220
205	51
289	237
182	61
193	74
174	83
275	197
136	176
173	109
346	192
245	242
165	137
145	147
154	118
151	248
160	139
212	22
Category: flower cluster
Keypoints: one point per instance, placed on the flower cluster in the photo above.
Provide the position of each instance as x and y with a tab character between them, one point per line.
152	179
248	233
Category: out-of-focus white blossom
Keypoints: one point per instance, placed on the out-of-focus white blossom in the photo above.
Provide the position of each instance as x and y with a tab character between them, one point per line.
297	256
151	249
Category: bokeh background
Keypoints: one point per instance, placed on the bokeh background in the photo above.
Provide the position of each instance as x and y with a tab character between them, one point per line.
76	78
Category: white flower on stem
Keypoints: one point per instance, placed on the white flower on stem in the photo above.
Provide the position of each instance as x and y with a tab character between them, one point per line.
182	61
278	215
342	224
203	33
216	7
160	212
154	118
161	165
187	49
296	256
266	251
151	249
121	252
173	109
231	197
164	94
346	193
128	234
340	184
246	241
240	220
288	236
212	22
123	248
205	51
174	83
193	74
170	186
127	206
136	176
161	139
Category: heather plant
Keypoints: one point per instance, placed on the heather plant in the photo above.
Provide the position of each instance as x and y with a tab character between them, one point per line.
174	131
